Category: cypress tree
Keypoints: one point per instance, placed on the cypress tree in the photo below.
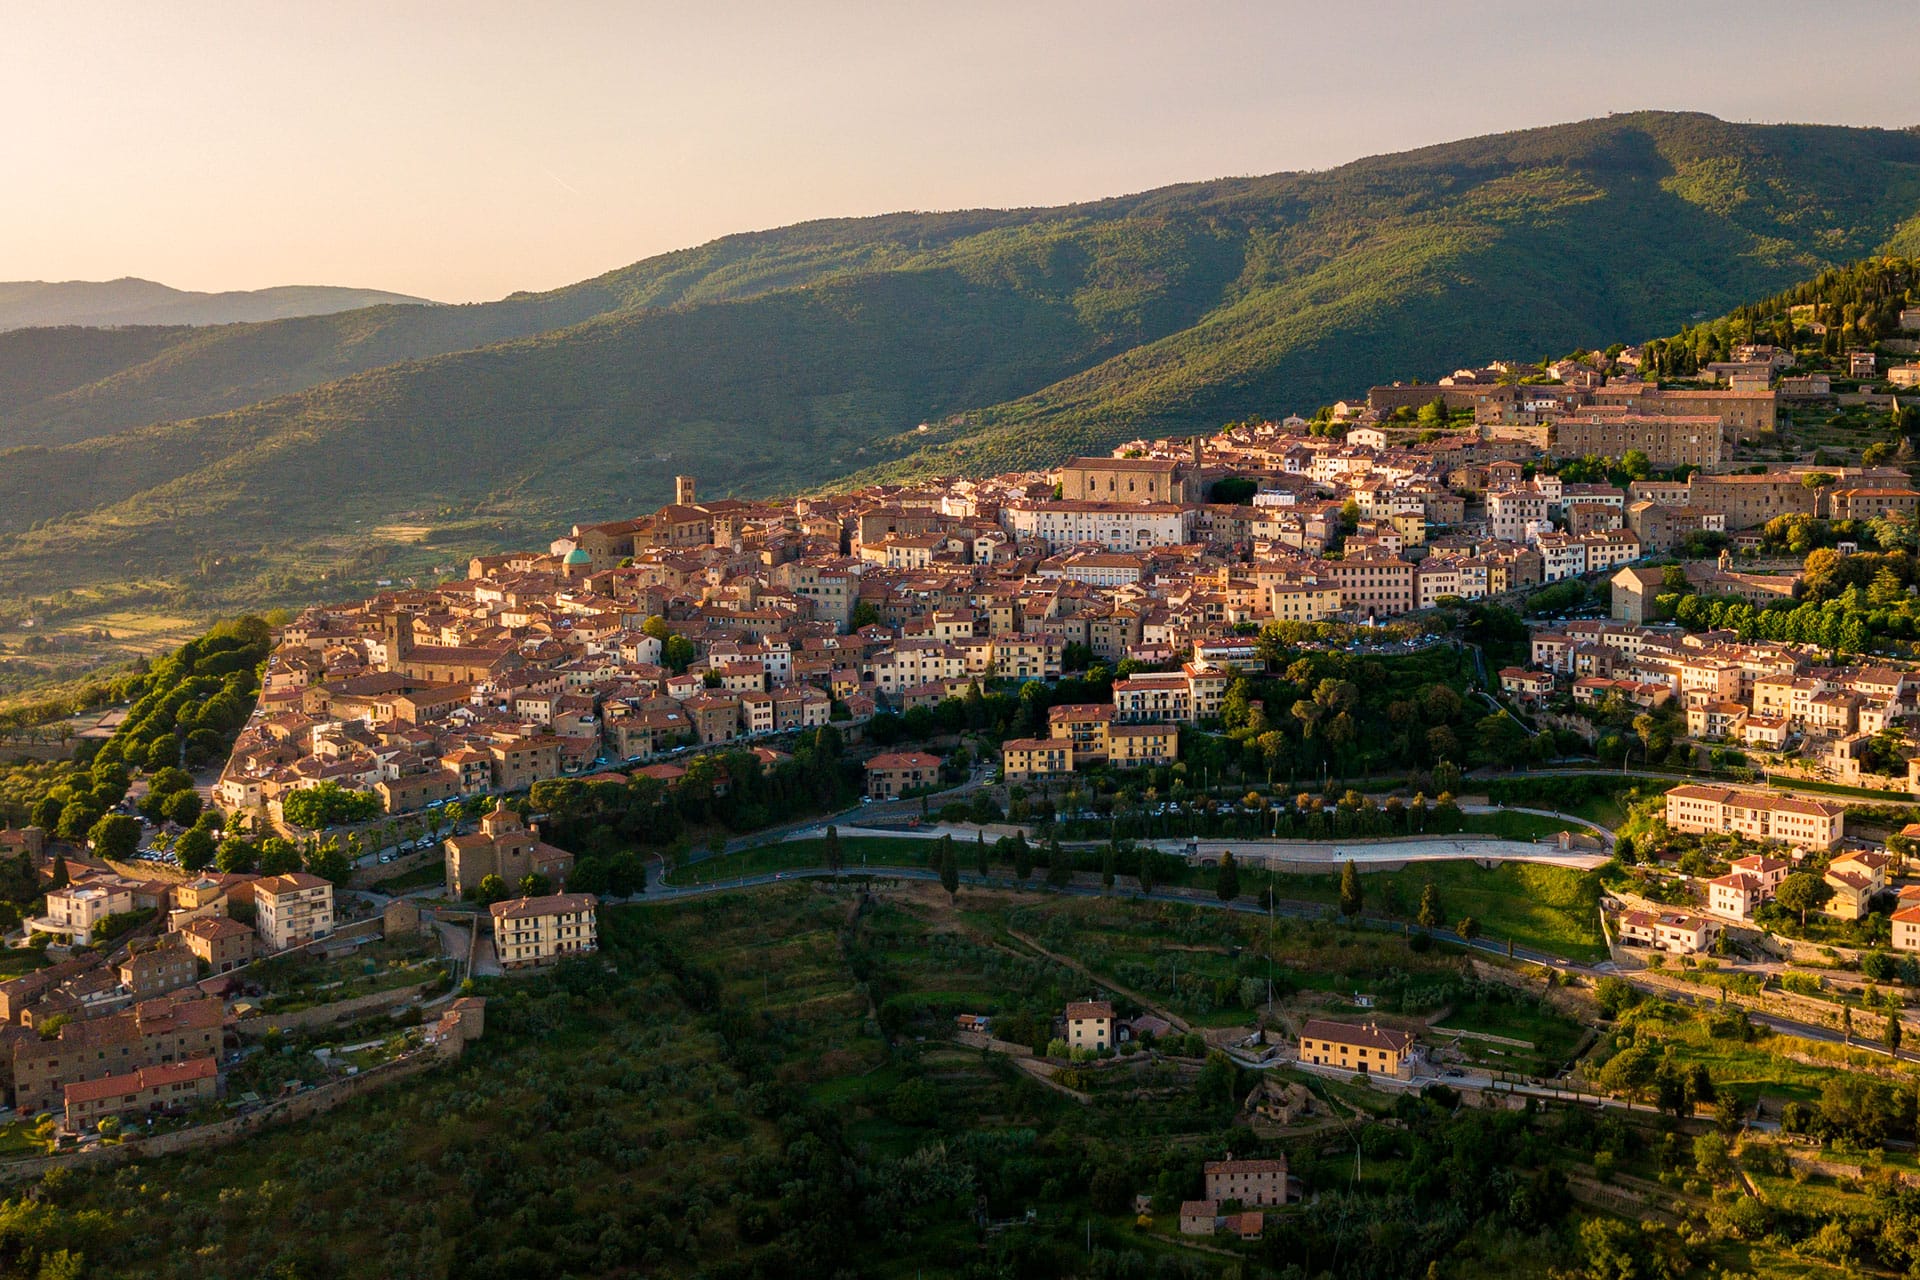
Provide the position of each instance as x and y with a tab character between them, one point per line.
1351	898
949	869
1227	886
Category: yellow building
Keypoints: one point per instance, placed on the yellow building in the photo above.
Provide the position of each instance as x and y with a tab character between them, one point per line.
1090	1025
1132	745
1906	929
1855	879
1084	724
1304	602
1371	1048
1023	758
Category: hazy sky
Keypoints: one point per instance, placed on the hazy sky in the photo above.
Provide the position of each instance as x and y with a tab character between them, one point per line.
465	150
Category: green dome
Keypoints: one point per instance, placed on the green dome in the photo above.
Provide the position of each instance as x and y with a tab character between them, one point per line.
578	556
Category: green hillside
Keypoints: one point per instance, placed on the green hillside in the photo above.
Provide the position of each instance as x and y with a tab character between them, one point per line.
70	384
256	461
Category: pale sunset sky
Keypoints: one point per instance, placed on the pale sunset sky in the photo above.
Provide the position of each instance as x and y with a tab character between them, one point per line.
465	150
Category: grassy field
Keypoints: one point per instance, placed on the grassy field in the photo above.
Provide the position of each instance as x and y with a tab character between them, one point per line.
1540	907
1779	1068
1509	825
1545	908
1551	1036
797	855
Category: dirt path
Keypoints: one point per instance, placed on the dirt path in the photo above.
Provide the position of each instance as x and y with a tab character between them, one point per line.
1108	983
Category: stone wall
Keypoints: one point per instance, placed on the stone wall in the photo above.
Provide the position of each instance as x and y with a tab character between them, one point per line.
321	1015
364	877
298	1107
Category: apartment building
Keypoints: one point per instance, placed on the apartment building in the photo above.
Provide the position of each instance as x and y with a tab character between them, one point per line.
528	932
895	773
1674	931
1085	725
1160	696
1516	514
219	943
1022	759
1371	588
1116	526
76	911
157	968
1133	745
292	910
1704	810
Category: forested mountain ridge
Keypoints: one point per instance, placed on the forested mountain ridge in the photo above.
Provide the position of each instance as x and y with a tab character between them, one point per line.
129	301
64	385
786	359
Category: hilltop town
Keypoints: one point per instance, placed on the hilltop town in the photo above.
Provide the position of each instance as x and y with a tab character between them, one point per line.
1556	617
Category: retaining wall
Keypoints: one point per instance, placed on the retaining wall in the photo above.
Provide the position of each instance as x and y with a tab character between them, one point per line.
321	1015
298	1107
365	877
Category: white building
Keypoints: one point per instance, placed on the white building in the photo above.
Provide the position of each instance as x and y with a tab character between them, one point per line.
292	910
77	910
1117	526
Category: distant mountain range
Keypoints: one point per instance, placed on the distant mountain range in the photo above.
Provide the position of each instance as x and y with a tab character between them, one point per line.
29	304
259	460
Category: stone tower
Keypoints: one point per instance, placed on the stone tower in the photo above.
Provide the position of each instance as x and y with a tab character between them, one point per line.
683	491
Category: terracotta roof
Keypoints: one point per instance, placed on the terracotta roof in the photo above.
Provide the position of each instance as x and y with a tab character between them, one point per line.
1371	1035
214	928
145	1078
904	760
293	881
553	904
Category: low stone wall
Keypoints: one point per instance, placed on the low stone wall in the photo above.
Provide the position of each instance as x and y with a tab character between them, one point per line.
298	1107
366	877
321	1015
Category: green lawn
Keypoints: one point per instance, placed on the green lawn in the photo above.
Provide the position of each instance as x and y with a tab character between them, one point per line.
434	873
1509	825
1541	907
796	855
15	961
1552	1035
1608	811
